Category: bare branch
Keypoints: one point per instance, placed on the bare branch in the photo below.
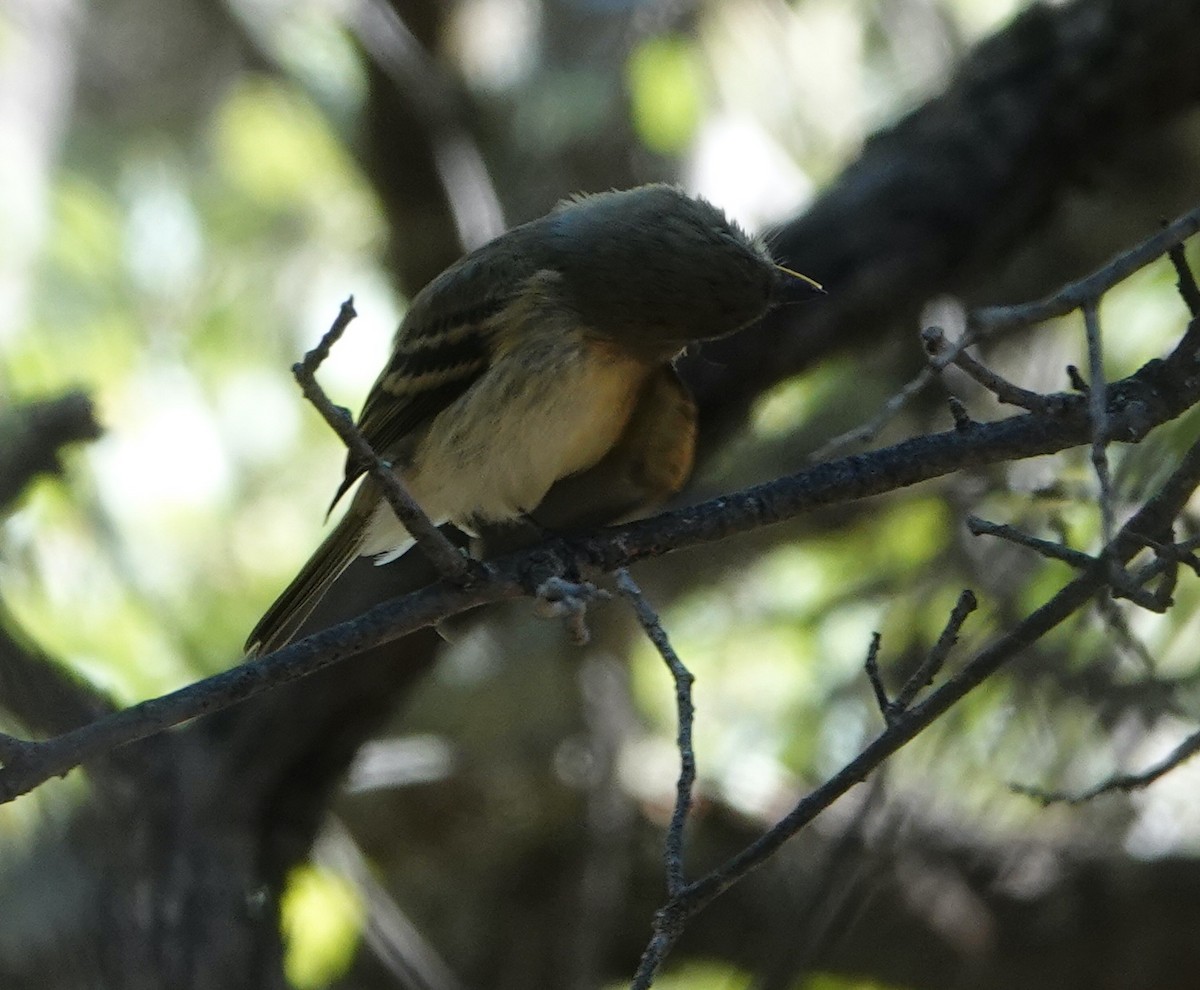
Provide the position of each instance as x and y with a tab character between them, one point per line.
1088	290
958	411
995	320
1046	548
1098	409
927	671
1078	382
1126	584
1156	393
923	676
1119	782
871	666
686	712
1185	281
941	350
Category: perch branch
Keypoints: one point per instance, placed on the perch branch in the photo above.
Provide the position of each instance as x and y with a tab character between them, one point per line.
1159	391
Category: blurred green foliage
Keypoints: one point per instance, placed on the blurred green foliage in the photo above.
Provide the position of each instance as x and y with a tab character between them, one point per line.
666	90
322	916
179	280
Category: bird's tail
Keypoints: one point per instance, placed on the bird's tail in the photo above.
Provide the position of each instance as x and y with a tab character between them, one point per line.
281	621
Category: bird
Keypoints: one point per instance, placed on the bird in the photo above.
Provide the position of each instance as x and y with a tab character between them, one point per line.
533	380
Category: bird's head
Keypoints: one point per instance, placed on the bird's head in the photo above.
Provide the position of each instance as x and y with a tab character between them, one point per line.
653	267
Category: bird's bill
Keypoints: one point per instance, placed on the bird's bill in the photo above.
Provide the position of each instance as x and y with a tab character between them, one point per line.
812	283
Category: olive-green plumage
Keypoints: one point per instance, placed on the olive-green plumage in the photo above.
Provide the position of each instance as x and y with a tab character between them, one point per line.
541	363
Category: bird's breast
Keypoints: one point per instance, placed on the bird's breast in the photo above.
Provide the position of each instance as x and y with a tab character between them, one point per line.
543	410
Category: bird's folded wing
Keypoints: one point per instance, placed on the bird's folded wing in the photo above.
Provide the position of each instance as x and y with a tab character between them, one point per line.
443	346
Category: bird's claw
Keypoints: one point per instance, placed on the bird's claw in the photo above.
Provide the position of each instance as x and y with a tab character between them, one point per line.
557	597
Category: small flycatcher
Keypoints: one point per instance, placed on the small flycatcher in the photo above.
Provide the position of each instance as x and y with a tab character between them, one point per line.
542	363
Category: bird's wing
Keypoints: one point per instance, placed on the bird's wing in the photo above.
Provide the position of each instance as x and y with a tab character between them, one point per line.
280	622
443	346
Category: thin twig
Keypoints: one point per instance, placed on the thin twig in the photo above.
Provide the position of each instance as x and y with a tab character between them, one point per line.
1124	584
685	715
1170	555
1089	289
872	428
891	709
923	676
994	320
1165	565
958	412
1098	409
1185	281
1119	782
1047	548
871	666
1157	599
442	554
938	347
1078	382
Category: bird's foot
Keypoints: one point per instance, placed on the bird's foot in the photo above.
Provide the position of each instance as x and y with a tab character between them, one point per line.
559	598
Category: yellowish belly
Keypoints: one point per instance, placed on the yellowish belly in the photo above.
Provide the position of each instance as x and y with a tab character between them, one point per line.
538	415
